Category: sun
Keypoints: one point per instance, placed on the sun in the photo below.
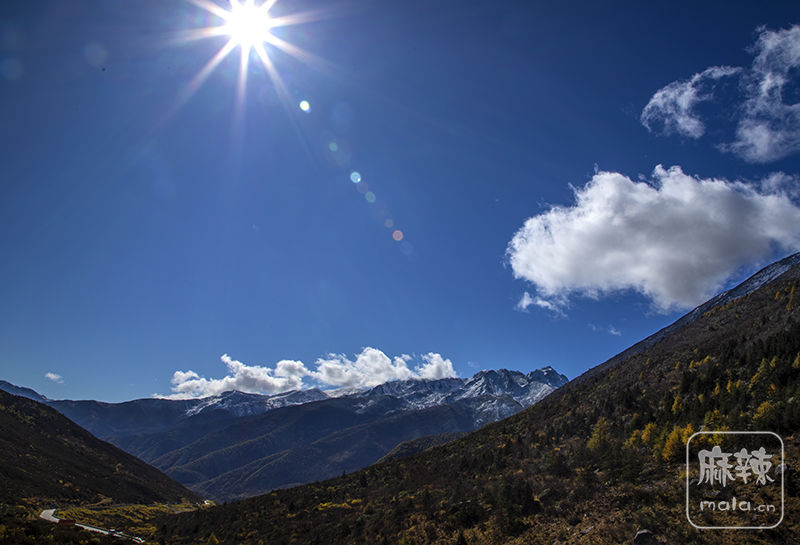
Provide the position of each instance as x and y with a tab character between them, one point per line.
248	25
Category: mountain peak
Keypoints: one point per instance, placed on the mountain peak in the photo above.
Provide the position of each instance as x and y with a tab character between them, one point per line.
546	375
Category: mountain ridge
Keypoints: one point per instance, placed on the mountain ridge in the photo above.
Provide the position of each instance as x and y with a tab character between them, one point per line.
241	403
205	443
747	286
21	391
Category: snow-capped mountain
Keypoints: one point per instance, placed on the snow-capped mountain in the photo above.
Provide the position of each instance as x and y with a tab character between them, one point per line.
243	404
521	390
524	389
501	392
216	445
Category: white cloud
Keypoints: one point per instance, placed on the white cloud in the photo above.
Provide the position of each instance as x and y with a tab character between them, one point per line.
287	375
369	368
781	183
767	121
54	377
676	239
770	128
673	106
525	301
611	330
555	305
372	367
435	367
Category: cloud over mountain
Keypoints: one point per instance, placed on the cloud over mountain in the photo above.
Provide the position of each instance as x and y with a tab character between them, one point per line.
372	367
287	375
369	368
765	105
675	239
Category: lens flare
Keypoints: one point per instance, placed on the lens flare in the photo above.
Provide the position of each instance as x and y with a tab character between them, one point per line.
355	177
397	235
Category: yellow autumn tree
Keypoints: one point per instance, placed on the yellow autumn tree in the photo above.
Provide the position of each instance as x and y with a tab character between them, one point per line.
677	405
687	432
601	436
765	415
649	433
673	446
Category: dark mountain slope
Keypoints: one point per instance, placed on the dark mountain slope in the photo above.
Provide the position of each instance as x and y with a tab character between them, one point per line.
271	432
45	455
315	441
420	444
150	446
343	450
141	416
594	462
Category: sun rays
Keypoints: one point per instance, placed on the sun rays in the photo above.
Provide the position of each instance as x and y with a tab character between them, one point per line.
248	27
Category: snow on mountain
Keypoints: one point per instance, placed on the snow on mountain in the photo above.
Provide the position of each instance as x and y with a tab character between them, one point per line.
524	389
347	391
416	393
764	276
488	409
505	391
243	404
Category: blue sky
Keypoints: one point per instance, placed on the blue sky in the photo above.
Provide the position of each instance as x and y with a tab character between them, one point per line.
165	238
